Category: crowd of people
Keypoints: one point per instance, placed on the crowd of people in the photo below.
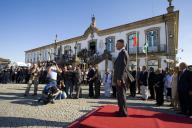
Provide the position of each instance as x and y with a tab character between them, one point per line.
175	86
20	75
14	75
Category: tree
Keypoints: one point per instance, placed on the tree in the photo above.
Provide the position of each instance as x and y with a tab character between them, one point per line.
83	54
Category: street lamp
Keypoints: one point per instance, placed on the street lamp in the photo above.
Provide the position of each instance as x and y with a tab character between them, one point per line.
70	51
75	47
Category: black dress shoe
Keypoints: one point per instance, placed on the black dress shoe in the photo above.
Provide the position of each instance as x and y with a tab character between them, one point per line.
119	114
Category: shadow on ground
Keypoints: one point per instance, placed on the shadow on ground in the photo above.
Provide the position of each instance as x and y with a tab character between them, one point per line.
142	105
20	122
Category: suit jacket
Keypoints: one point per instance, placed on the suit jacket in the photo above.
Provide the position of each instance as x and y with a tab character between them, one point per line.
143	78
151	79
185	81
90	74
120	66
159	83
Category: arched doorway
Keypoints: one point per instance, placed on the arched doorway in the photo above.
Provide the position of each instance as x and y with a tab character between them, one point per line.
92	46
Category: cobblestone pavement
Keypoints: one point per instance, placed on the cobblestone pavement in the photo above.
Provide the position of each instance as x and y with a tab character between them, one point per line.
19	111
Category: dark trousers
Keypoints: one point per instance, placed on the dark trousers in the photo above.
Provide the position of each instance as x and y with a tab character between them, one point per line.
91	92
152	91
169	92
69	88
159	95
121	98
184	100
97	88
133	88
114	91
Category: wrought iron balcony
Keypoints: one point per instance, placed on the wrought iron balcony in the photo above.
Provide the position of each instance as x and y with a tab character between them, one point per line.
153	49
95	59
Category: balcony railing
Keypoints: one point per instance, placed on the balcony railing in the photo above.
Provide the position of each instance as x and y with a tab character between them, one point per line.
98	58
153	49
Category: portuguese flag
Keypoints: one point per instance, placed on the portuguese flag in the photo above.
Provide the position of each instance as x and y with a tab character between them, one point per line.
135	40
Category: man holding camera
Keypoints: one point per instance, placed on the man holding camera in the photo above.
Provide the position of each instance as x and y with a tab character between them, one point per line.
52	71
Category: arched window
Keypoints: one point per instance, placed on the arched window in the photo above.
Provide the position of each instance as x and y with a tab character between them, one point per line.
78	46
110	43
92	46
67	49
35	57
152	38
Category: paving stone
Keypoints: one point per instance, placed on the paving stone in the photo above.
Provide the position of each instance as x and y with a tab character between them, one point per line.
19	111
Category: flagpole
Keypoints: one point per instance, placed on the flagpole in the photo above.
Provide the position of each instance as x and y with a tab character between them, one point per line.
136	54
146	60
136	65
136	58
146	57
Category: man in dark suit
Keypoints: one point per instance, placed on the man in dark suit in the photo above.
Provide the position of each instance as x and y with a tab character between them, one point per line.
120	78
151	81
90	80
185	89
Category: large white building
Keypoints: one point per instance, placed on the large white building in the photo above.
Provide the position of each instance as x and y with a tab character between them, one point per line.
161	33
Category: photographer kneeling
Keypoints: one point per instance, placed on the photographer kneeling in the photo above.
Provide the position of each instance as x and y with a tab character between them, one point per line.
51	91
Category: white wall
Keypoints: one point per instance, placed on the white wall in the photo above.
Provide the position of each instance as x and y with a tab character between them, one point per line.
101	42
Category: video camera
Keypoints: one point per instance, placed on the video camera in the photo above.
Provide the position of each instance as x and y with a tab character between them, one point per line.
51	63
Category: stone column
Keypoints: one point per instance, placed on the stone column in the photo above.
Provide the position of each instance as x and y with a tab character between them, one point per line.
171	22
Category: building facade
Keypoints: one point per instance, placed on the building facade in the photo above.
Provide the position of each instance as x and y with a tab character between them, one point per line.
4	63
160	32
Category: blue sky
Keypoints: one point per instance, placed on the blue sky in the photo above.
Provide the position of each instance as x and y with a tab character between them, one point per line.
26	24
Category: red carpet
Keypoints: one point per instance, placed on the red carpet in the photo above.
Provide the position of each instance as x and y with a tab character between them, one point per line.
104	117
